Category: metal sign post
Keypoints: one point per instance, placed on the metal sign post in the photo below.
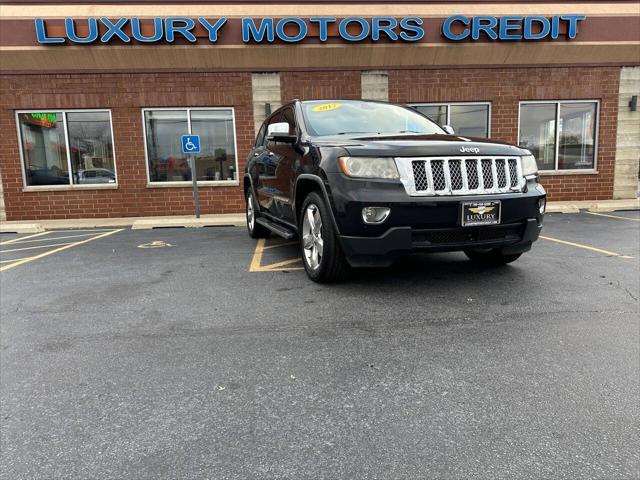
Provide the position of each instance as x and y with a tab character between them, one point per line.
191	146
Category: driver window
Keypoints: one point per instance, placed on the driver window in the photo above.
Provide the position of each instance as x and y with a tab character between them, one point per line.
288	116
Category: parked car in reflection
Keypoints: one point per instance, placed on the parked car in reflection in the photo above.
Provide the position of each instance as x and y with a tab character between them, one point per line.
48	176
96	175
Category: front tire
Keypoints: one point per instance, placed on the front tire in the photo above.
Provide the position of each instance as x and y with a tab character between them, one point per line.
322	255
493	257
255	229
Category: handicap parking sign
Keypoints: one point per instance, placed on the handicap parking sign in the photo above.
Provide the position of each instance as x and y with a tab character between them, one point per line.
190	143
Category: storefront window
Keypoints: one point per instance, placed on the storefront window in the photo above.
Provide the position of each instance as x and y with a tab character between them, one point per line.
90	147
217	159
538	132
53	143
467	119
561	135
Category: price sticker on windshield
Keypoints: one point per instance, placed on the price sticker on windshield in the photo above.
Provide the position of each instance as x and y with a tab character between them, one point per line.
326	107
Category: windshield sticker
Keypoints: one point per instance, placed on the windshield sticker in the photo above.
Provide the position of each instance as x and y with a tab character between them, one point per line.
326	107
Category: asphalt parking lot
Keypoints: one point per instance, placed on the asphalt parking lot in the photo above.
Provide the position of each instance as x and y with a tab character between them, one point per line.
201	353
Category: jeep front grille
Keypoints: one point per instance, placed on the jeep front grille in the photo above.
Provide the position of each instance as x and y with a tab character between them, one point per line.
460	175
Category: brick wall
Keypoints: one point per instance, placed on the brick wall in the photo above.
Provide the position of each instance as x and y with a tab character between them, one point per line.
124	95
319	85
505	87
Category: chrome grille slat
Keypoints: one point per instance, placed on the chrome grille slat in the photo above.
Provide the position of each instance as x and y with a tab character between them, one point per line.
460	175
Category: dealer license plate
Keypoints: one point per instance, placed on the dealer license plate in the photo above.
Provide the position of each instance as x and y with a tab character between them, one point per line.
480	213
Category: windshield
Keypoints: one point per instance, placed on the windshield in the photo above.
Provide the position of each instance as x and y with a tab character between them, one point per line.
343	117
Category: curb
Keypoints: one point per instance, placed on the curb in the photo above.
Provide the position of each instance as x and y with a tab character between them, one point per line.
218	221
21	228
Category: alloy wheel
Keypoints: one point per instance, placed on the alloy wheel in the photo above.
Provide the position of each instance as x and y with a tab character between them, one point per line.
312	242
251	218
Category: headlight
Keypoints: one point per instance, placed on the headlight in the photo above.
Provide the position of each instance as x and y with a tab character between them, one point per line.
369	167
529	165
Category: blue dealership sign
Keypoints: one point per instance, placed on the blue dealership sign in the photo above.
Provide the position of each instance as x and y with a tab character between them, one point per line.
297	29
190	144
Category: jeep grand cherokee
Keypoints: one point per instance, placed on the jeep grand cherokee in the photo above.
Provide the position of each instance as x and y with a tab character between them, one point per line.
361	182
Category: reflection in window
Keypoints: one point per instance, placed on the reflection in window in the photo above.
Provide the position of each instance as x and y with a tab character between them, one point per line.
217	158
47	152
561	135
164	129
90	147
467	119
577	135
470	120
538	132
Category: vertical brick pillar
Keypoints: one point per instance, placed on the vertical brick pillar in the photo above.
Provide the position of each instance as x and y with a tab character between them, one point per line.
265	88
374	85
625	179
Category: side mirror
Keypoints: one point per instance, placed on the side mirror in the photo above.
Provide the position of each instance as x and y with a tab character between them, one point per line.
448	129
279	132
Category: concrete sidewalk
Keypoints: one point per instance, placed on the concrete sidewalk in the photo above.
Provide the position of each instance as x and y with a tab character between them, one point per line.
238	219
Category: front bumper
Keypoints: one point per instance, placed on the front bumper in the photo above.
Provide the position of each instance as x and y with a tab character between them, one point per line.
430	224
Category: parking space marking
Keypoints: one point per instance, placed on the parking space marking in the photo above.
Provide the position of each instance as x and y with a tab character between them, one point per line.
586	247
55	238
14	260
37	246
614	216
256	261
22	261
14	240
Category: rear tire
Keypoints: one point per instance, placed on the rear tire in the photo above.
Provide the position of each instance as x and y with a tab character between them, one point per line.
320	248
493	257
254	228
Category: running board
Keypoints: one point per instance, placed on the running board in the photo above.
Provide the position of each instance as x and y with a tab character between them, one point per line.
280	230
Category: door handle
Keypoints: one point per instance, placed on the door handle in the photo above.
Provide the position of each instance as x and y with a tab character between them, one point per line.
256	154
271	154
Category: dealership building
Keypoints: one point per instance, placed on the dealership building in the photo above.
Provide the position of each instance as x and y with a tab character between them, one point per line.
96	95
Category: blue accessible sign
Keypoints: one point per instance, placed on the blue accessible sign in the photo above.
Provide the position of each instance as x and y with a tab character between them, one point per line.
190	143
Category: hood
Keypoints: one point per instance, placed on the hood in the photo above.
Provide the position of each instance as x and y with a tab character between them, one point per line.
416	145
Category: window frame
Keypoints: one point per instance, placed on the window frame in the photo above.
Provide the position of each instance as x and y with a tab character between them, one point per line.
70	185
450	104
185	183
596	137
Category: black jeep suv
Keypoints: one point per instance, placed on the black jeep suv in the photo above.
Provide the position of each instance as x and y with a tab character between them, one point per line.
361	182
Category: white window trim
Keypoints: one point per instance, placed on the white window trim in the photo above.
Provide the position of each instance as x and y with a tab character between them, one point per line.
570	171
70	186
212	183
449	104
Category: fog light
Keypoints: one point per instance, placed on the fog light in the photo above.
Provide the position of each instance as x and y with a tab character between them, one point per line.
375	214
542	205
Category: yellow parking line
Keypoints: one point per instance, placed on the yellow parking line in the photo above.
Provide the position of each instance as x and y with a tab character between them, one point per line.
614	216
256	261
257	256
14	260
14	240
279	245
586	247
52	239
51	252
37	246
276	266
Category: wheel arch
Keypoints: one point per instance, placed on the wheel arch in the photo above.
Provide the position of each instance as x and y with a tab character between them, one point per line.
305	184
